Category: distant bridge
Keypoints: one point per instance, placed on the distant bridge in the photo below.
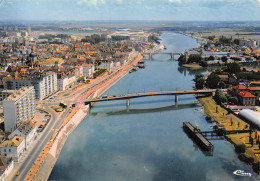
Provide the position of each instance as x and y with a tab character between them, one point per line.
136	95
167	53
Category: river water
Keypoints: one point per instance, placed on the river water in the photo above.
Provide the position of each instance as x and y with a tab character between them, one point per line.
147	142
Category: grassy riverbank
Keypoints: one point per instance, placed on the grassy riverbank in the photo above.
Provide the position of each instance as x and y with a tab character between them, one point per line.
232	122
192	65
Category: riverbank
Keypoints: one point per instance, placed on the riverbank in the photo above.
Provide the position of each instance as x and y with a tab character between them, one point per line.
48	158
231	122
192	65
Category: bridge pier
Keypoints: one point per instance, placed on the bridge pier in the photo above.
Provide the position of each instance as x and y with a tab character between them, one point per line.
172	56
176	100
150	56
213	93
127	102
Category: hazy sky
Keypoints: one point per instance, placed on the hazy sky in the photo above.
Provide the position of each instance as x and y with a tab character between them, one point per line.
130	10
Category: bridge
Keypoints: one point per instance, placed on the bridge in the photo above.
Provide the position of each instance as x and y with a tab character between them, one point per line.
136	95
167	53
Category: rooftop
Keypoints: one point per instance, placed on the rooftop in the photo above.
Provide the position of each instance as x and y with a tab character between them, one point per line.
246	94
240	87
15	141
18	94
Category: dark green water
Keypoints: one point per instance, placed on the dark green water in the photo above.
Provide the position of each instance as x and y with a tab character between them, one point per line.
147	142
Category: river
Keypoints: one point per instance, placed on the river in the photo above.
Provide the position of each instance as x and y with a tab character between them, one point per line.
147	142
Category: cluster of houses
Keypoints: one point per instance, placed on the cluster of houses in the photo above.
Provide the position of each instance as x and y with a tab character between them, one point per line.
213	54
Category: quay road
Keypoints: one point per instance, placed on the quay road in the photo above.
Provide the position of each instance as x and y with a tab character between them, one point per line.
25	164
136	95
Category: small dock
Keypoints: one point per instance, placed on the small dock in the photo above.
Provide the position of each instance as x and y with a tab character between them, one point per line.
199	138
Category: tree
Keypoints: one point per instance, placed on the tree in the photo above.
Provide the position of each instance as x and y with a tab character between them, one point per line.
182	59
220	97
212	81
224	40
211	57
233	68
236	41
211	37
222	84
224	59
223	98
203	63
234	100
94	39
194	58
199	81
241	148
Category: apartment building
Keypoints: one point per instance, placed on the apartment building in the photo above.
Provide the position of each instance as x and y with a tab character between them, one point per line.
44	84
18	108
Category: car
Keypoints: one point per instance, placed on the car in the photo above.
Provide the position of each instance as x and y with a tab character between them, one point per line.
17	173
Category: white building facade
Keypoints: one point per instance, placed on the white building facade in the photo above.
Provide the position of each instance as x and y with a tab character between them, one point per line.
44	85
19	107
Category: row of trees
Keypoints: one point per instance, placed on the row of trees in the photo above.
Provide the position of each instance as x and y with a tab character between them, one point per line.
223	40
193	58
120	38
212	82
220	97
51	36
94	39
98	72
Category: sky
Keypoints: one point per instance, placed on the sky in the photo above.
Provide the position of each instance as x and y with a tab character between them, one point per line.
173	10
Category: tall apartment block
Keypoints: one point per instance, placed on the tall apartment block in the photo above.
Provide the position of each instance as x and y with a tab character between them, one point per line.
19	107
43	83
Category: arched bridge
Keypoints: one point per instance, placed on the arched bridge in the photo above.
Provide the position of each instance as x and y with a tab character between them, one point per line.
167	53
136	95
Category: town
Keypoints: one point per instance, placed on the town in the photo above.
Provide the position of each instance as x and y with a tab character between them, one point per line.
43	75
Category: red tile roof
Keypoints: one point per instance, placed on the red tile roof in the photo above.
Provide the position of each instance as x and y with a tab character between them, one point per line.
240	87
223	76
255	83
246	94
254	88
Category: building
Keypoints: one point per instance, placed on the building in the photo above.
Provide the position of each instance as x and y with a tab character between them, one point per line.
248	43
65	81
88	70
6	167
108	65
254	84
251	116
27	130
13	148
18	108
237	89
246	98
44	84
5	93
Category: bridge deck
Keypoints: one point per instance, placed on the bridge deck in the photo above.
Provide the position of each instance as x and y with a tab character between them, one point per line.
175	53
151	94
